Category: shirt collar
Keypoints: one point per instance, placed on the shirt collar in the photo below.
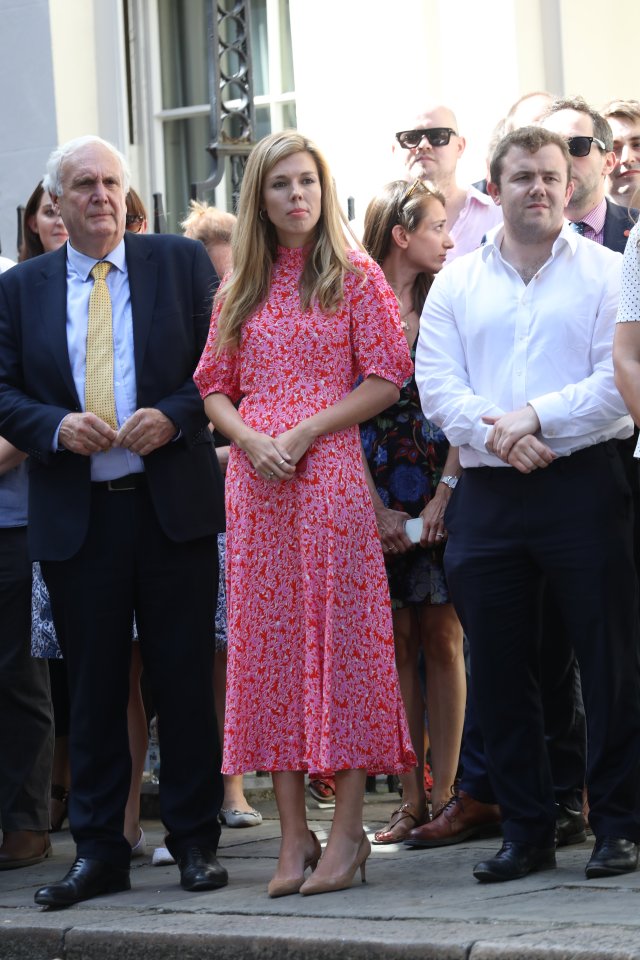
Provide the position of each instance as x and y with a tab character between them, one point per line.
83	265
596	217
493	241
494	238
473	194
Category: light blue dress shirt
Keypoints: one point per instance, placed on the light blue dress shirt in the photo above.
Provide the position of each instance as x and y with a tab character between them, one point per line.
116	462
14	490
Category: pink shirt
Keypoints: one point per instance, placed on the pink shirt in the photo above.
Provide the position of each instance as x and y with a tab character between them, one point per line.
594	222
476	218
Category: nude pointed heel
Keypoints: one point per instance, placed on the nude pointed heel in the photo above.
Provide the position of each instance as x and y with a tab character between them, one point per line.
284	888
313	885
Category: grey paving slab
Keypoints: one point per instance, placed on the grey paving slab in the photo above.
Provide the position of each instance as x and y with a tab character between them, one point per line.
416	904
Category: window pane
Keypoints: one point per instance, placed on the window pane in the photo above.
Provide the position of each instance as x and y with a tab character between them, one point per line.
259	47
286	51
183	53
263	122
289	115
186	162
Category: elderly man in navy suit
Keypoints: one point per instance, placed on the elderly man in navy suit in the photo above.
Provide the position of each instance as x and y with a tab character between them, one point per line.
98	343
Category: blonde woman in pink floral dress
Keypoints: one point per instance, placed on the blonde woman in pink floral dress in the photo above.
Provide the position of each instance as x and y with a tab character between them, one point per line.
311	677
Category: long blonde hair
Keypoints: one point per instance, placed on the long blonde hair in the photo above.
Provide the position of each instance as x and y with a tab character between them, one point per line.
401	203
254	244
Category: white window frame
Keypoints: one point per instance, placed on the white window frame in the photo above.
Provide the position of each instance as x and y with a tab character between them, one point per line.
150	114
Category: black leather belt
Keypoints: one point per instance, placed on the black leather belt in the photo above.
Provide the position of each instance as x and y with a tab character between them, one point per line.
133	481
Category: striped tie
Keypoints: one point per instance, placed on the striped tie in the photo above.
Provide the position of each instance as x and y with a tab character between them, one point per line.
98	391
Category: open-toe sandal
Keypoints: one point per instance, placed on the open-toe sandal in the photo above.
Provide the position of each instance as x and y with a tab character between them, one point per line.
402	821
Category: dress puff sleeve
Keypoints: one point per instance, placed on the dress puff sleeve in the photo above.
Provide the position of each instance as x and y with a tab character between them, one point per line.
218	374
378	343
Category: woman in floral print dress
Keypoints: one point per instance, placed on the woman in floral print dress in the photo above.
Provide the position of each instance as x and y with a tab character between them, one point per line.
311	676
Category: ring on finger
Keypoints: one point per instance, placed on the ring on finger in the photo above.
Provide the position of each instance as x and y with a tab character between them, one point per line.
280	462
271	475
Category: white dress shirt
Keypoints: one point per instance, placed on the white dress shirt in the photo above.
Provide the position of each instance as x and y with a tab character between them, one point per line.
489	344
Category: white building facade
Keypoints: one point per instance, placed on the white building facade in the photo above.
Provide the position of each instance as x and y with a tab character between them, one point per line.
348	73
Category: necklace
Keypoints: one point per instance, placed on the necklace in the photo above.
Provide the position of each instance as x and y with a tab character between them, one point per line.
404	323
404	313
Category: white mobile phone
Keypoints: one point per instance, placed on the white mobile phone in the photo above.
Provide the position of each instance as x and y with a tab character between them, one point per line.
413	529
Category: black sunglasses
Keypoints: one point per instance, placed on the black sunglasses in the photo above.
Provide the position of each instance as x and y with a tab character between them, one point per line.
134	222
581	146
437	137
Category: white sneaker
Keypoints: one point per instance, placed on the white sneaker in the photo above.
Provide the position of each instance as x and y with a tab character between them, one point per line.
161	856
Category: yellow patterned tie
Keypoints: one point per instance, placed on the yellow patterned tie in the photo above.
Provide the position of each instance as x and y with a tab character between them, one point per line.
98	390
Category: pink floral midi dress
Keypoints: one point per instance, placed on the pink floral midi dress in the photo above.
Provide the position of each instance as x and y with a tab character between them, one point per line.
311	677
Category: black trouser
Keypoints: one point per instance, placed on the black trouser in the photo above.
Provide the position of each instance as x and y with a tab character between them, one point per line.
127	565
565	723
26	724
568	526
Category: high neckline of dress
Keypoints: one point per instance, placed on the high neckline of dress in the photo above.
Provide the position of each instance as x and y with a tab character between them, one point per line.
292	254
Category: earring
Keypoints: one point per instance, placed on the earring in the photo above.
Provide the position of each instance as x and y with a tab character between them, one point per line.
261	214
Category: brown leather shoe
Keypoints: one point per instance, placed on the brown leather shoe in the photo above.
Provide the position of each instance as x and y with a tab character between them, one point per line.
460	819
22	848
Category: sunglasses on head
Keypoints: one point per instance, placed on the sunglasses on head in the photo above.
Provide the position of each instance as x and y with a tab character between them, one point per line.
437	137
581	146
408	192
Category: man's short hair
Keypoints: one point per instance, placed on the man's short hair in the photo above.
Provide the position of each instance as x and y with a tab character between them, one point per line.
53	177
528	138
601	128
623	109
508	120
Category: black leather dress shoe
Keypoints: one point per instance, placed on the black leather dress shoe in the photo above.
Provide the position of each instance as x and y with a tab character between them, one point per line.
612	856
200	870
86	879
513	861
570	826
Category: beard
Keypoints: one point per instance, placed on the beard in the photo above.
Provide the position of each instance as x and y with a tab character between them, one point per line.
582	192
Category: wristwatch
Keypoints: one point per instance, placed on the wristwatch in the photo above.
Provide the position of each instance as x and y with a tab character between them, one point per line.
450	481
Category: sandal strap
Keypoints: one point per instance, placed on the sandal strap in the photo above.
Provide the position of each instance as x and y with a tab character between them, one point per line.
324	785
403	811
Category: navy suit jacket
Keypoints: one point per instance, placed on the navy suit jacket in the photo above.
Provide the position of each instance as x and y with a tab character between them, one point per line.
172	282
617	224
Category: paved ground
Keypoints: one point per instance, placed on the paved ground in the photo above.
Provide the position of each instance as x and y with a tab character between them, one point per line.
416	904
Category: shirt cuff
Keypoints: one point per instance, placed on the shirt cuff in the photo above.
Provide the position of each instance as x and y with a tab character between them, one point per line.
550	412
55	446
